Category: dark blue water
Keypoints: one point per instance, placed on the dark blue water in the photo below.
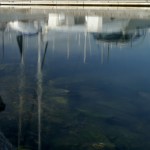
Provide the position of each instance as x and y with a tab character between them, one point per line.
75	83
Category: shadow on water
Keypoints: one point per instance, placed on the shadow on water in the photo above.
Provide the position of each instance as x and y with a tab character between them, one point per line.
2	104
4	143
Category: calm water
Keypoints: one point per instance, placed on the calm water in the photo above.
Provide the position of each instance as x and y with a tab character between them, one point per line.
75	82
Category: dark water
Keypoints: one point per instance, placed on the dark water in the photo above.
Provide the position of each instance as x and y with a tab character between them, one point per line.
75	83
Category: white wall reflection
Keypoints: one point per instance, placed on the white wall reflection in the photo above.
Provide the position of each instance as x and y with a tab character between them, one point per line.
107	32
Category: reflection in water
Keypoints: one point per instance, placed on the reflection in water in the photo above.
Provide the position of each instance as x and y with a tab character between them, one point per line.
21	98
107	32
39	90
2	105
40	64
21	44
81	105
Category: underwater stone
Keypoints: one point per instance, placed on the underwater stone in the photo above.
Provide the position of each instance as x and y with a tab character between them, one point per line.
103	146
99	146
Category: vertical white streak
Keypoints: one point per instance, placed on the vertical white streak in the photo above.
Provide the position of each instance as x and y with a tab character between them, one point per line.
68	46
39	90
85	46
89	43
53	43
102	54
79	40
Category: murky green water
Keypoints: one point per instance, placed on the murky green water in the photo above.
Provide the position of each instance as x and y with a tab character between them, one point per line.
75	82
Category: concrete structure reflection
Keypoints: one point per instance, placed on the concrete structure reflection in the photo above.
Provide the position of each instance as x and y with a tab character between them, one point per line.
122	28
108	32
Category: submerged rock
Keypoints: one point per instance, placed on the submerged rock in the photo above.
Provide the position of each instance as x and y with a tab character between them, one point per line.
4	143
2	105
103	146
99	146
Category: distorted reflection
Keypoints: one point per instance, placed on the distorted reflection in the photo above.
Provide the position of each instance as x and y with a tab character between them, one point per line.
107	32
63	98
2	105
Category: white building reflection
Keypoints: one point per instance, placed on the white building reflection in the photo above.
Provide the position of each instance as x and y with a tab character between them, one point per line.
107	32
106	27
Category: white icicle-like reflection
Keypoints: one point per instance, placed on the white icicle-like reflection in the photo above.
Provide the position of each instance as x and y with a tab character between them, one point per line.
39	90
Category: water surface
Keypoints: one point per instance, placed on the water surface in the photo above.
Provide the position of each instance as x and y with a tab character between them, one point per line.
75	82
